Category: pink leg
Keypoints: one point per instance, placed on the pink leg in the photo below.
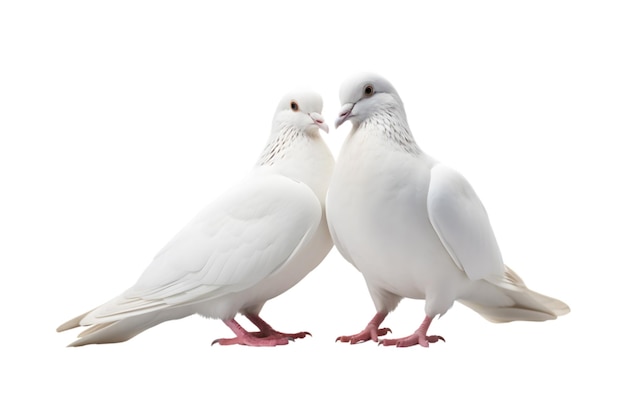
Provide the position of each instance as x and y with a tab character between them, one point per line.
248	339
371	331
266	331
417	338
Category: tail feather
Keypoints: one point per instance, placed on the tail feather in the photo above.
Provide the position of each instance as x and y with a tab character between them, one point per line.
525	307
558	307
115	332
94	328
73	323
122	330
524	304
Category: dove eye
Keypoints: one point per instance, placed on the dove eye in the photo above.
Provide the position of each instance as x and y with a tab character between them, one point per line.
294	106
368	90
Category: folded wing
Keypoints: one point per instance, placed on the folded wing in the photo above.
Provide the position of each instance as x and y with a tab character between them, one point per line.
463	226
234	243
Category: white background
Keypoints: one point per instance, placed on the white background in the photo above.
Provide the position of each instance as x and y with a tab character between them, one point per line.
119	120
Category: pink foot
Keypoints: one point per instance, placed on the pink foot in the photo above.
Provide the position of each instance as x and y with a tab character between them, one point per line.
417	338
267	332
275	334
251	340
414	339
245	338
371	331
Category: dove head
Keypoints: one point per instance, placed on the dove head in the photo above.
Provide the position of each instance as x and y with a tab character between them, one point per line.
365	95
302	111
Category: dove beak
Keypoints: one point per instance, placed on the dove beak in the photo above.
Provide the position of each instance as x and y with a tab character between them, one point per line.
319	121
344	114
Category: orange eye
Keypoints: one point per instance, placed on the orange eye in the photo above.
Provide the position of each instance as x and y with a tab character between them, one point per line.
368	90
294	106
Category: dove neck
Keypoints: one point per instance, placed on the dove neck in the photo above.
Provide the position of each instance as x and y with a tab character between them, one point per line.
393	128
299	156
279	145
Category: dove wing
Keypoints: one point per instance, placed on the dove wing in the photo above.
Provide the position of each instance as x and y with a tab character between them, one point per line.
237	241
462	224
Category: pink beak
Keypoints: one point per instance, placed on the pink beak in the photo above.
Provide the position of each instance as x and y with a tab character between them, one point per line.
319	121
344	114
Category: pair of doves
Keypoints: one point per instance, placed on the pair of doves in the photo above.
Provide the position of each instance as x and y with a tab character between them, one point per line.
412	226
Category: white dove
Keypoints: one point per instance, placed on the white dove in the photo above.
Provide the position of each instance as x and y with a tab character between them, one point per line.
252	244
414	227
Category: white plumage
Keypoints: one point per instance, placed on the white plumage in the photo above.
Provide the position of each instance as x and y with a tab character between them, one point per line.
250	245
414	227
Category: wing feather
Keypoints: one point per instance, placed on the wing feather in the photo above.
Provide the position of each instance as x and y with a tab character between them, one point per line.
462	224
237	241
